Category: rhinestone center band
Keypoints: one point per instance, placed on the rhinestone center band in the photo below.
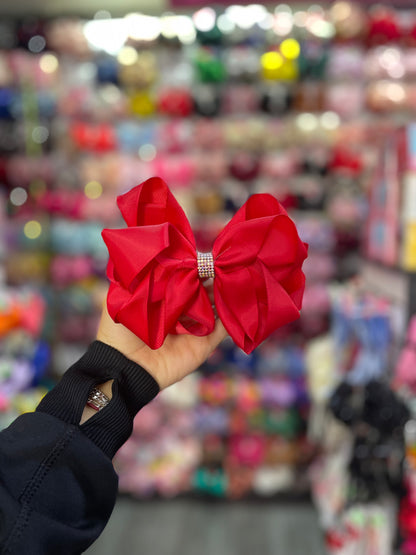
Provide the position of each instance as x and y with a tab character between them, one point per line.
206	265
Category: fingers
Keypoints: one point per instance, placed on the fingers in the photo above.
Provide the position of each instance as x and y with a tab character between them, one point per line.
218	335
209	286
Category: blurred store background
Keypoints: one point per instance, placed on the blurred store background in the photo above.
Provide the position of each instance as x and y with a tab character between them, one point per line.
308	445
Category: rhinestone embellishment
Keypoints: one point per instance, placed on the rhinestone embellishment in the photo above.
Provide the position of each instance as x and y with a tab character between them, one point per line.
205	265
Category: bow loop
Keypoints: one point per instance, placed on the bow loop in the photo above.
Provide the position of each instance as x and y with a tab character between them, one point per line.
152	203
258	262
157	276
121	243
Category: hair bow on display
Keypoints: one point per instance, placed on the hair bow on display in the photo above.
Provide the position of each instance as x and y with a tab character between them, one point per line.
156	273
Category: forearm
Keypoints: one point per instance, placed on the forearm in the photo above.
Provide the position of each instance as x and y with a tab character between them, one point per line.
132	388
107	389
58	485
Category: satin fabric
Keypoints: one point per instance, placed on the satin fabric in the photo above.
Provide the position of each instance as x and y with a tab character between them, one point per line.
154	284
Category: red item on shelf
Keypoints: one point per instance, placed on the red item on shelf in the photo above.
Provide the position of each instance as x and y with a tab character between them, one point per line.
383	26
346	161
247	450
62	202
175	102
245	166
99	137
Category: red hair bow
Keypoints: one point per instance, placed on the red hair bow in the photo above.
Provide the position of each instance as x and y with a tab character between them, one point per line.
157	274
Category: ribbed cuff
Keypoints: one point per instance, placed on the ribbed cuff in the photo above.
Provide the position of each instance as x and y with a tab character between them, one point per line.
133	387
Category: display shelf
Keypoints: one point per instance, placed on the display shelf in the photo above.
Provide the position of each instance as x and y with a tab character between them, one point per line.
111	119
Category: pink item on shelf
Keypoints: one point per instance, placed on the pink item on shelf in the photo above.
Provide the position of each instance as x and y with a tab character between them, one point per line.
22	171
208	134
23	311
346	210
319	266
247	450
345	60
75	101
23	64
240	99
408	547
67	36
178	170
67	269
130	169
409	60
212	168
102	209
382	233
63	202
175	136
284	164
384	62
151	418
316	299
4	403
32	315
346	99
405	375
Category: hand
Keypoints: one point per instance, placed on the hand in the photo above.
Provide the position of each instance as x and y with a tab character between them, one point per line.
177	357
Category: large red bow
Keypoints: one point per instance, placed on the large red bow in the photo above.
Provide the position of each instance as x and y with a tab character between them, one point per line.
155	287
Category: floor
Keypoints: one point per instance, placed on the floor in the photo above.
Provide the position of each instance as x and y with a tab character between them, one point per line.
188	527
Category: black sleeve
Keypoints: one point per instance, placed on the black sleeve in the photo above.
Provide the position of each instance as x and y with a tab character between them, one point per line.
57	482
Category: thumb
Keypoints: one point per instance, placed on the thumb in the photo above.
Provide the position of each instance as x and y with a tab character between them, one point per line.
218	335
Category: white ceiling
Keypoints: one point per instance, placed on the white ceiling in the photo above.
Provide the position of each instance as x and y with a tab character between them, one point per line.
79	7
51	8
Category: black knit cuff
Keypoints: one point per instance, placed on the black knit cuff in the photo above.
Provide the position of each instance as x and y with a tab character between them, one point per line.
133	387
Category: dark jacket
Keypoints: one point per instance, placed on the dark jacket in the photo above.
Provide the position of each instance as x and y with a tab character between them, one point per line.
57	482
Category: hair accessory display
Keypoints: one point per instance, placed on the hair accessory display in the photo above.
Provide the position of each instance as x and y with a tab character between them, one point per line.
153	268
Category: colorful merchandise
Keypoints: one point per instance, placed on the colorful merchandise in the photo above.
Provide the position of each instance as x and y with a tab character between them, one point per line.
302	103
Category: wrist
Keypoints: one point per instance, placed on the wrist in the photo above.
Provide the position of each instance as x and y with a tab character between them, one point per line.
132	388
123	340
90	408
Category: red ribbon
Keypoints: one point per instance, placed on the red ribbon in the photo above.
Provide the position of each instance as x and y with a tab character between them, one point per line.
155	288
